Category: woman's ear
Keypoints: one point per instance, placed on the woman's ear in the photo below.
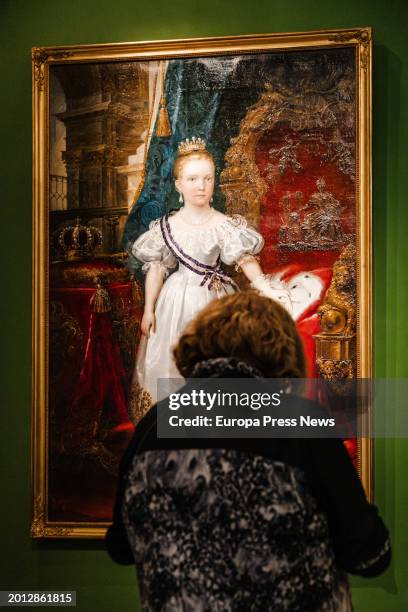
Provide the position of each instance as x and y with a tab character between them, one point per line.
177	185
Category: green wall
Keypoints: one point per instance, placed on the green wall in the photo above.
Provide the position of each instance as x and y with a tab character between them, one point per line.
84	566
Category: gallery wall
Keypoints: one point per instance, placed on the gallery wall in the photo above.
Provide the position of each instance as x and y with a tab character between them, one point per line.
83	565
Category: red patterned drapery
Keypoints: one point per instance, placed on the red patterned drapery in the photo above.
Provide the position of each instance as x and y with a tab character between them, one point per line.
93	337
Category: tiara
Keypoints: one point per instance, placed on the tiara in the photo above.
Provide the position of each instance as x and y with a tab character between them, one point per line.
189	145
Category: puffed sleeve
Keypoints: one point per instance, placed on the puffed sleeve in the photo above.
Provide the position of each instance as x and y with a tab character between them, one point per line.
151	249
238	240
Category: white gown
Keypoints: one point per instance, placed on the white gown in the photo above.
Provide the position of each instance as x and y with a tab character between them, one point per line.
182	295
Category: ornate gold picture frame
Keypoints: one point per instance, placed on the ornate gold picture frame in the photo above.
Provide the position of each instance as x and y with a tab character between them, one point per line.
290	119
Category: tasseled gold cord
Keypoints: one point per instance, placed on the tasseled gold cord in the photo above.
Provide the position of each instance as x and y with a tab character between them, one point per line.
100	300
163	127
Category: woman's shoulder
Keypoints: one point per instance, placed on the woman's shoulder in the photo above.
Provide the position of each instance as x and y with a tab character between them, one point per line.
155	224
231	222
151	236
220	218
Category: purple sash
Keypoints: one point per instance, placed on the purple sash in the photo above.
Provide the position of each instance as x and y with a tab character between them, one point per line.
213	275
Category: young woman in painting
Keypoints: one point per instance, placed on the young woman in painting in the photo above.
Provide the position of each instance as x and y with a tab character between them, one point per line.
196	238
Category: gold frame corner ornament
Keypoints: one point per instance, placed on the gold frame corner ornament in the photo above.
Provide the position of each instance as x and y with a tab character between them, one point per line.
39	526
41	56
42	59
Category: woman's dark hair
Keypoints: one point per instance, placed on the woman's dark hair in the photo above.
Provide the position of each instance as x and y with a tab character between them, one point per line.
249	327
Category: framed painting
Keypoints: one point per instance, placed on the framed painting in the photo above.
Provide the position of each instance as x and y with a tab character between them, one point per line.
287	118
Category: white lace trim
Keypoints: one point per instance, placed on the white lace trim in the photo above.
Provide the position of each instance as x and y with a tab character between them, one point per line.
227	226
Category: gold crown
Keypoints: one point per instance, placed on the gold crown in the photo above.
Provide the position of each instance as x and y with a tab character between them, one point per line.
76	242
189	145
